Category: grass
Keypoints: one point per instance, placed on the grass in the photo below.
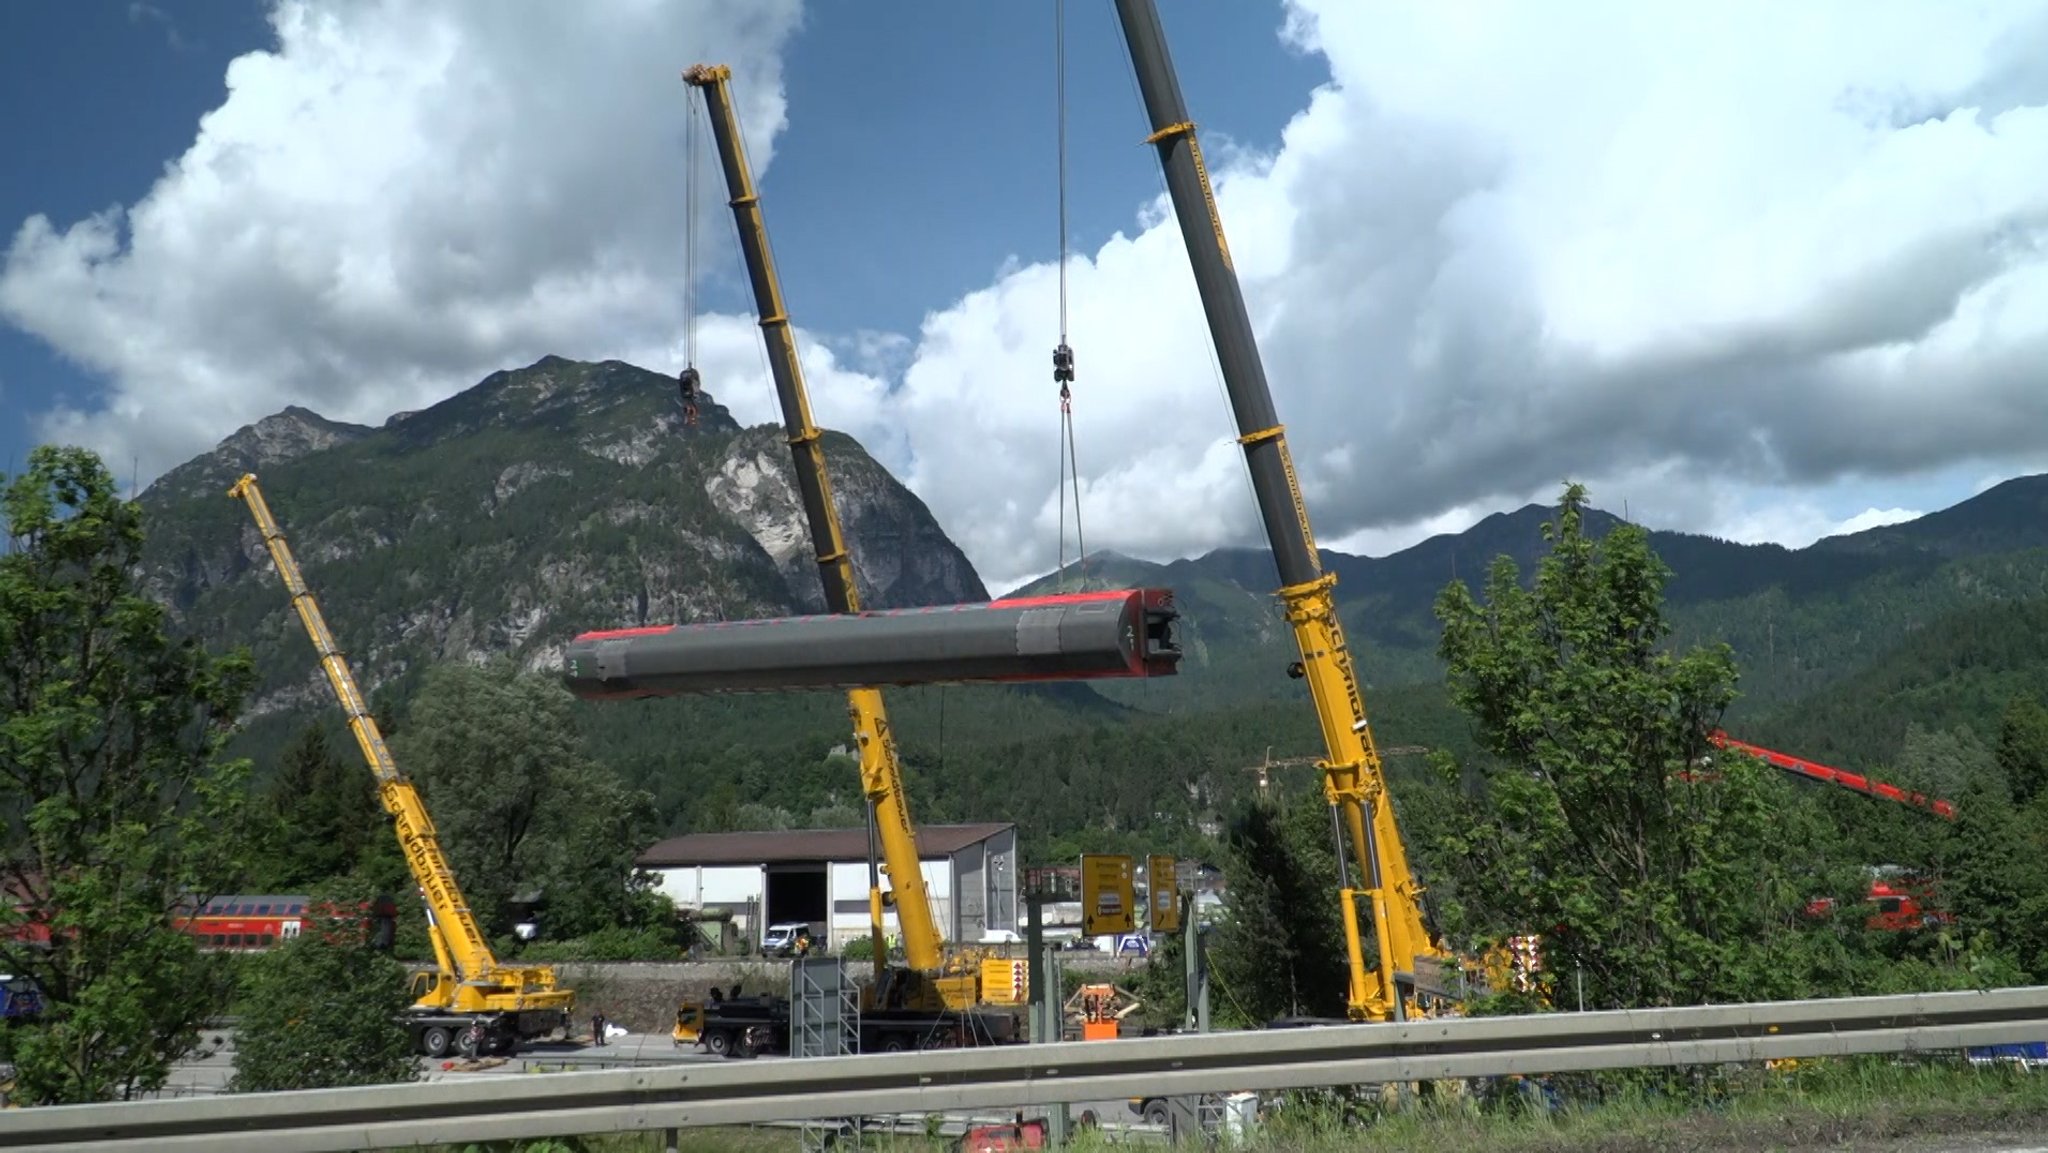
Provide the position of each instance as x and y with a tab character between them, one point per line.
1864	1103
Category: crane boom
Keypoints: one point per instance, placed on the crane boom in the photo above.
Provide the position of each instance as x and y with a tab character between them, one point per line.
1814	770
459	945
1353	778
880	769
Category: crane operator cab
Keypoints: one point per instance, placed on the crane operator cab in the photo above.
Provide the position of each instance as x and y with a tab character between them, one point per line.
689	382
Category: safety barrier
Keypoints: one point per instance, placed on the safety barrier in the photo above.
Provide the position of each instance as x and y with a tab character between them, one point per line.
1009	1077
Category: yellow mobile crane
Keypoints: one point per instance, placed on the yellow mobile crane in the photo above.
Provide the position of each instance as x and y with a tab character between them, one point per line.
471	1004
929	983
1353	778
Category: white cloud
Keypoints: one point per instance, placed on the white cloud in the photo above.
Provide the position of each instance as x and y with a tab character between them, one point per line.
394	201
1704	259
1798	523
1717	262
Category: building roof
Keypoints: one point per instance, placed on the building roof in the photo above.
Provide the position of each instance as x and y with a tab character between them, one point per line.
795	846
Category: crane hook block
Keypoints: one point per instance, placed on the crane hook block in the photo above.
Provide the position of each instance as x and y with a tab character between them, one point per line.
1063	364
689	381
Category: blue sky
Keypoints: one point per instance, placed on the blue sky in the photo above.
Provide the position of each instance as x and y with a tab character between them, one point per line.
103	93
950	171
1761	279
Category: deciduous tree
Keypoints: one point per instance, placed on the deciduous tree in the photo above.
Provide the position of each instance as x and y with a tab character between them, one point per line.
322	1010
1596	822
519	805
115	808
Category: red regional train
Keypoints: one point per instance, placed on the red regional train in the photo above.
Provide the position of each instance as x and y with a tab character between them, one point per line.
236	923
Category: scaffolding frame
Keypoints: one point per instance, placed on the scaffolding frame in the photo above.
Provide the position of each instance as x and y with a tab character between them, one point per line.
824	1022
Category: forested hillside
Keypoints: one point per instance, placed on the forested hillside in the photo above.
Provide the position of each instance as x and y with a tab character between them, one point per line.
1799	619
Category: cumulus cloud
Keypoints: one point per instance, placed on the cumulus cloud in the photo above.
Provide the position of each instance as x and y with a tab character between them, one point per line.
393	201
1692	256
1711	260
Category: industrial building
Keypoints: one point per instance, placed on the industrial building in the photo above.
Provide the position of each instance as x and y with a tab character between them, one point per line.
820	877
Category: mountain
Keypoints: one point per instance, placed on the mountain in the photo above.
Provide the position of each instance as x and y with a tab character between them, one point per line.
540	503
1798	619
284	436
567	496
1958	672
2008	516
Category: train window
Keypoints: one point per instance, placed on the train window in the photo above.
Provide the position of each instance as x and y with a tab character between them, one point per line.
219	939
295	910
234	940
269	940
262	909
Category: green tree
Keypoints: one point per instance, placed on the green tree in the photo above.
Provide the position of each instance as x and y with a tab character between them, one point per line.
323	1010
115	808
2023	747
519	805
1281	952
1997	874
321	811
1660	885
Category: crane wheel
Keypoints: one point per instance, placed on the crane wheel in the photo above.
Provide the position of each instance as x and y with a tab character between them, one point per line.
435	1041
719	1042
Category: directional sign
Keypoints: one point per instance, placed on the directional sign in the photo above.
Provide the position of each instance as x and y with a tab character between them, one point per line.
1164	893
1108	894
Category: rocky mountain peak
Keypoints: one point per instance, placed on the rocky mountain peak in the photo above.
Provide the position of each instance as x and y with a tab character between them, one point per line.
286	435
541	502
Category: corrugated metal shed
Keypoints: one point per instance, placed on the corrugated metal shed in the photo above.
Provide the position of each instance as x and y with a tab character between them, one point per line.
800	846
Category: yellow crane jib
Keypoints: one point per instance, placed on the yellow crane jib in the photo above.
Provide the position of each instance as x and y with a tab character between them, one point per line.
1353	778
927	983
472	999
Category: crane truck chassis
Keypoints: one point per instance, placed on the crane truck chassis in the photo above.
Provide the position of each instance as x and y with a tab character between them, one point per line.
444	1032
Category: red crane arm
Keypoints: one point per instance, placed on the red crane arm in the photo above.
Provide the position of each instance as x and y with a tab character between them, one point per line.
1834	776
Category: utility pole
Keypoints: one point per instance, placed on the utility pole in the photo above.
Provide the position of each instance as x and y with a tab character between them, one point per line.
1045	984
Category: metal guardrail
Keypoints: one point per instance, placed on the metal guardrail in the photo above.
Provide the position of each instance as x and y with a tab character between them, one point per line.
1026	1076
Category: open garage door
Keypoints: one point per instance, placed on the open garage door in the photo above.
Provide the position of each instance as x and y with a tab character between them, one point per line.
798	894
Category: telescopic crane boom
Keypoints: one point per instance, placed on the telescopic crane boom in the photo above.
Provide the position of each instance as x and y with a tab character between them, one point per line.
510	1001
880	770
1353	779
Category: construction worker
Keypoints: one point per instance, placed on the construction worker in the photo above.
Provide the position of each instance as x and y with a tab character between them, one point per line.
689	382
